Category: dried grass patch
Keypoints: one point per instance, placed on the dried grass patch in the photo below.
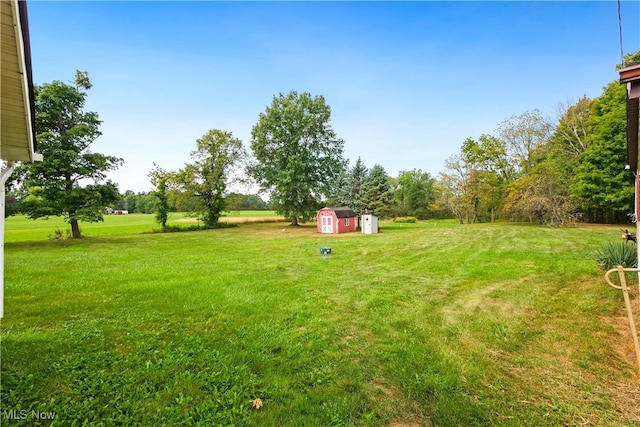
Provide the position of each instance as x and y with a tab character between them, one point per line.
238	219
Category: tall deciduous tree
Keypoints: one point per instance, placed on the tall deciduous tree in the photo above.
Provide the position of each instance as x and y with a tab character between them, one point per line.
414	193
455	190
473	184
161	179
570	136
542	194
601	181
297	153
490	172
217	156
523	136
71	180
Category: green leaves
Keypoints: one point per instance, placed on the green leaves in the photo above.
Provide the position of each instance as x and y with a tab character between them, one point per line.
554	172
377	193
601	180
217	156
65	133
160	180
414	193
612	254
523	137
297	154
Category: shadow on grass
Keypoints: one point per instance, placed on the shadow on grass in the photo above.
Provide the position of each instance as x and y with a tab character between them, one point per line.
181	229
65	243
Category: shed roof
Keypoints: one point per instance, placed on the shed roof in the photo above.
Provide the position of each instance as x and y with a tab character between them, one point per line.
17	106
343	212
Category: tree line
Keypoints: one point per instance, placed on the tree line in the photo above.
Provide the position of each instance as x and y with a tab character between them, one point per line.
556	171
146	202
553	171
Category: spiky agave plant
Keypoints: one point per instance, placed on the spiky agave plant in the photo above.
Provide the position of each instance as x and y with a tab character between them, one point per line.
613	254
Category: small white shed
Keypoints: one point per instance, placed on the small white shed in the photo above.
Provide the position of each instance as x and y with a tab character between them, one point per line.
369	224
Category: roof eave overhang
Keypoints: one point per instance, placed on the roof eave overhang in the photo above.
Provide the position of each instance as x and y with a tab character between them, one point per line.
630	75
17	137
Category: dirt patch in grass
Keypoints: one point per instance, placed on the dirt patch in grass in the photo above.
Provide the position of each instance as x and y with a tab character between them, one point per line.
285	229
626	394
623	344
388	392
407	424
562	381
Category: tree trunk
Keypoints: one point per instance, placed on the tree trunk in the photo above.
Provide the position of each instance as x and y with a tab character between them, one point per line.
212	218
294	221
75	228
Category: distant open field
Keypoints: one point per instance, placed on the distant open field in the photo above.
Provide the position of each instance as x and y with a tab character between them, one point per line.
427	324
238	217
21	228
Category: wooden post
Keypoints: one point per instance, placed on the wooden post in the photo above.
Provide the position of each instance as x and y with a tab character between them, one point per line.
627	302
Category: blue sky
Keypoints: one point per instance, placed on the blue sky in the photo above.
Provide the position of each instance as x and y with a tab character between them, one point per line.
407	82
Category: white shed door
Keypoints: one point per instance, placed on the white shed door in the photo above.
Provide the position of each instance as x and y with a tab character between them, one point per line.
327	224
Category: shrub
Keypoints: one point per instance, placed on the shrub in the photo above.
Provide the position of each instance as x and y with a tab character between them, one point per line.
405	219
613	254
60	235
181	228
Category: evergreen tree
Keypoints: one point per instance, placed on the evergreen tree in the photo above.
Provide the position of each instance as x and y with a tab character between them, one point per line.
377	194
357	177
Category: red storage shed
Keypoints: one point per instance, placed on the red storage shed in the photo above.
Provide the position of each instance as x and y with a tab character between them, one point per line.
336	220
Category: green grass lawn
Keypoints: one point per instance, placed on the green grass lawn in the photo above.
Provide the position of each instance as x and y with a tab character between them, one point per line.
21	228
424	324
